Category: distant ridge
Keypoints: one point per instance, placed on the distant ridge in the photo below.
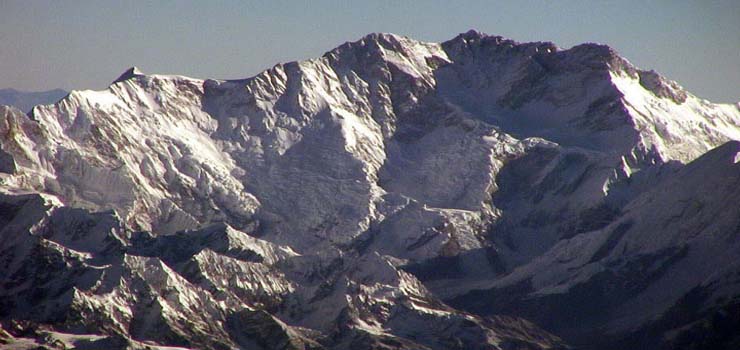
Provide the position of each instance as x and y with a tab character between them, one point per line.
25	101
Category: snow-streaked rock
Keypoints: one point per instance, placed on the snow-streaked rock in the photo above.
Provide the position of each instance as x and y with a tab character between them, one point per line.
214	288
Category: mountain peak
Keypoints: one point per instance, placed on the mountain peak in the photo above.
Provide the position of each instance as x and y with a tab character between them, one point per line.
473	34
595	50
381	36
603	56
375	48
374	40
128	74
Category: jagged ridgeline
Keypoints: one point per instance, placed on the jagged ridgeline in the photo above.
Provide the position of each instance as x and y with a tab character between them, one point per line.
392	194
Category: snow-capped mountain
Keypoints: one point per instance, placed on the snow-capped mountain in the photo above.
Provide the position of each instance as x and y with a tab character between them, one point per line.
390	194
25	101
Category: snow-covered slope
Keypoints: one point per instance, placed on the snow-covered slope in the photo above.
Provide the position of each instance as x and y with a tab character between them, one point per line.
336	200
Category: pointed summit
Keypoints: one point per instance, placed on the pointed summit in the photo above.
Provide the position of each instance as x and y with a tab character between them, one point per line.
473	34
128	74
374	41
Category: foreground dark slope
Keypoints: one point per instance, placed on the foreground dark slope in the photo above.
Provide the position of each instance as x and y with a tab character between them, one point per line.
337	202
668	259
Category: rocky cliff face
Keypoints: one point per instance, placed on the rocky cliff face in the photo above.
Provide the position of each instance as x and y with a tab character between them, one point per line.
348	200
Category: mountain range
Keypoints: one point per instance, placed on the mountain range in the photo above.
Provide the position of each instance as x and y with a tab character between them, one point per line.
478	193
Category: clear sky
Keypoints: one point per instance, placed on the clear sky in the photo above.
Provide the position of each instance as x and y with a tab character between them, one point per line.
86	44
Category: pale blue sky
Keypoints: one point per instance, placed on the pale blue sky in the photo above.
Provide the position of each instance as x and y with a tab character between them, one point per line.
86	44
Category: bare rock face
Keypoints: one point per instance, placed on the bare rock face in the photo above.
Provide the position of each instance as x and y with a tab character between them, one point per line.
345	202
662	87
7	163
